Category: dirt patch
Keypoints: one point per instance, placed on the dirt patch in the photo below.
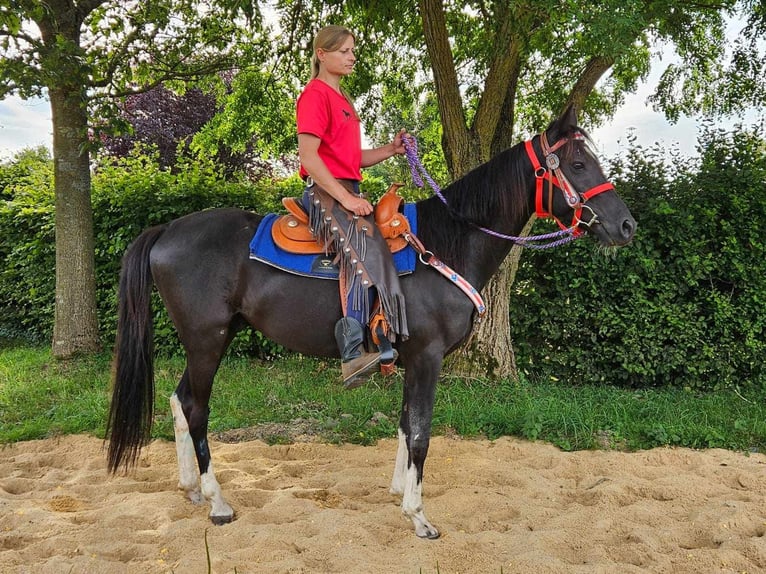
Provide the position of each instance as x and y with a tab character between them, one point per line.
311	507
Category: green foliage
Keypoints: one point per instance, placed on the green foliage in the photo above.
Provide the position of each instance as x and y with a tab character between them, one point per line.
27	254
116	47
718	74
683	304
258	110
128	196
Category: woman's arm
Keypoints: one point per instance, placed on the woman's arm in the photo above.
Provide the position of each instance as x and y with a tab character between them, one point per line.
308	152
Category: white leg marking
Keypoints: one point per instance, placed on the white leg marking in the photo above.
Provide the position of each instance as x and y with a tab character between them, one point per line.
400	467
220	512
412	505
187	463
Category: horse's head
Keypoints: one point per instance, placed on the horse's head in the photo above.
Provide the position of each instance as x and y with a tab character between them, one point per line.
572	187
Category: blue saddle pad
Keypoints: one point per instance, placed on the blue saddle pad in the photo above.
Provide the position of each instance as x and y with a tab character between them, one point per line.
263	249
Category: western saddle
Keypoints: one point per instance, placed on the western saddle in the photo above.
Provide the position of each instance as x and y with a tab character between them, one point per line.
291	232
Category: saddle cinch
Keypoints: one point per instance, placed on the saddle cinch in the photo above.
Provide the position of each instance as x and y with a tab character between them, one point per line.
291	231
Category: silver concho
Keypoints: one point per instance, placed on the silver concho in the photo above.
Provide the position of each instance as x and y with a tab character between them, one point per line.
552	161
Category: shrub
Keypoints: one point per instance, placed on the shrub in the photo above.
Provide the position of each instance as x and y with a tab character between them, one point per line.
683	304
128	195
27	250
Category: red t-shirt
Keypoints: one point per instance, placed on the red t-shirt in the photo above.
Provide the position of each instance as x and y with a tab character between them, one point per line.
326	114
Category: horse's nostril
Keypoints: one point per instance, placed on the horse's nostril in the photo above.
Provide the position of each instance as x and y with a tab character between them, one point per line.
628	228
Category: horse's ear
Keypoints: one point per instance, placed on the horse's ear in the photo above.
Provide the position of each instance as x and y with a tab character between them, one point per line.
564	125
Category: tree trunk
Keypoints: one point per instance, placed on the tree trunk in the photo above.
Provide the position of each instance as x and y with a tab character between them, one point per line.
75	328
489	351
460	153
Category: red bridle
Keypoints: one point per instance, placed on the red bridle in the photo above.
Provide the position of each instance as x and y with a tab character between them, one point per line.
556	178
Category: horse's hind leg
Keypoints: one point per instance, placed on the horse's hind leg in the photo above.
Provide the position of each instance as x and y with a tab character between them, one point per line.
188	475
414	439
191	401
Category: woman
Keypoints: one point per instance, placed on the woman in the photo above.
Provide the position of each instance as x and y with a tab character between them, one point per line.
331	156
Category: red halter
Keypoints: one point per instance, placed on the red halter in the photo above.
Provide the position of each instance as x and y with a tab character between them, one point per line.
556	178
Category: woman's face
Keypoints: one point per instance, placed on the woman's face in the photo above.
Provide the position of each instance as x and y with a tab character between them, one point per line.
339	62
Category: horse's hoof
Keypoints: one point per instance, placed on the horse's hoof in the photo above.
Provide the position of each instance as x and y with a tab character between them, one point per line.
221	520
428	532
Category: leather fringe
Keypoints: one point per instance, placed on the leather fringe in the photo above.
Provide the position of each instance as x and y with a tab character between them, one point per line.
353	238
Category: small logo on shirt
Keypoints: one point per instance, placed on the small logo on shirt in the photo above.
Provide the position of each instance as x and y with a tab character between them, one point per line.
346	114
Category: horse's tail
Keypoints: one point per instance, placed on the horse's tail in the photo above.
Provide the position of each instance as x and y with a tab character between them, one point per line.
129	425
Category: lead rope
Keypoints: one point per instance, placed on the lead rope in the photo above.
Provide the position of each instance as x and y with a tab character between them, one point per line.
419	173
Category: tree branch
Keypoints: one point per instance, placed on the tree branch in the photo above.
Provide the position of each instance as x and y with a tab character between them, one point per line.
22	36
594	69
117	59
85	7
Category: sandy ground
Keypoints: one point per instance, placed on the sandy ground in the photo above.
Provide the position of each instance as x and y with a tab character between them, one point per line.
506	504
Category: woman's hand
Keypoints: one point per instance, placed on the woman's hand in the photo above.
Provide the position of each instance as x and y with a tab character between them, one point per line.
376	155
356	205
397	144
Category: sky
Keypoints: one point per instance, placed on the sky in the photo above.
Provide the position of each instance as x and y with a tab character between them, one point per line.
24	124
636	117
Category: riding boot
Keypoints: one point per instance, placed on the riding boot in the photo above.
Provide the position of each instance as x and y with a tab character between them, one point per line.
356	364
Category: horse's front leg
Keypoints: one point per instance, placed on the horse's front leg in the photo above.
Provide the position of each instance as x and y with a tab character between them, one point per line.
195	414
414	438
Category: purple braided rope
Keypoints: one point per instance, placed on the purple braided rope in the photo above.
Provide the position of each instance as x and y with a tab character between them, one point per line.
419	173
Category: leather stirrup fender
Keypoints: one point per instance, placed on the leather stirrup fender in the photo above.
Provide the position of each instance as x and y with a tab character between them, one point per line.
390	220
379	333
378	321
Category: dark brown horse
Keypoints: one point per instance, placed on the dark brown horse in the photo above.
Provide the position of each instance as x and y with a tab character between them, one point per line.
200	264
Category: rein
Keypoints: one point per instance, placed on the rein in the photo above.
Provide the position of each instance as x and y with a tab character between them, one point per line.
574	200
428	258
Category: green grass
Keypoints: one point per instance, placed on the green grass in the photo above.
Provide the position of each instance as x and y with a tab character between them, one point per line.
276	401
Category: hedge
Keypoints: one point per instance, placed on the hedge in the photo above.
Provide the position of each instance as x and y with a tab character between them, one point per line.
128	195
683	304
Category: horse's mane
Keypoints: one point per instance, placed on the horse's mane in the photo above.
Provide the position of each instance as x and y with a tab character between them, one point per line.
496	187
500	186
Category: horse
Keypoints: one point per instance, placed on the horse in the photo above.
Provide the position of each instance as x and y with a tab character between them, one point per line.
211	288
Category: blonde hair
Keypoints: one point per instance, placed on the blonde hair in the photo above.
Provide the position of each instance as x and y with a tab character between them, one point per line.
329	39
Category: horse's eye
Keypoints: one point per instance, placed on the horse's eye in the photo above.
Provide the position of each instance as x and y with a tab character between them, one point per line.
578	165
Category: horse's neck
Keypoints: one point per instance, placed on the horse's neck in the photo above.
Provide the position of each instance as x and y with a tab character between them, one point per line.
488	255
499	196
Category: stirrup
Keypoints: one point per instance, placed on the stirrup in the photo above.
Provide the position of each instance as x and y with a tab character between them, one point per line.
388	354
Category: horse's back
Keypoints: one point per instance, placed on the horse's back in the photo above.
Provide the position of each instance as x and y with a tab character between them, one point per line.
205	237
